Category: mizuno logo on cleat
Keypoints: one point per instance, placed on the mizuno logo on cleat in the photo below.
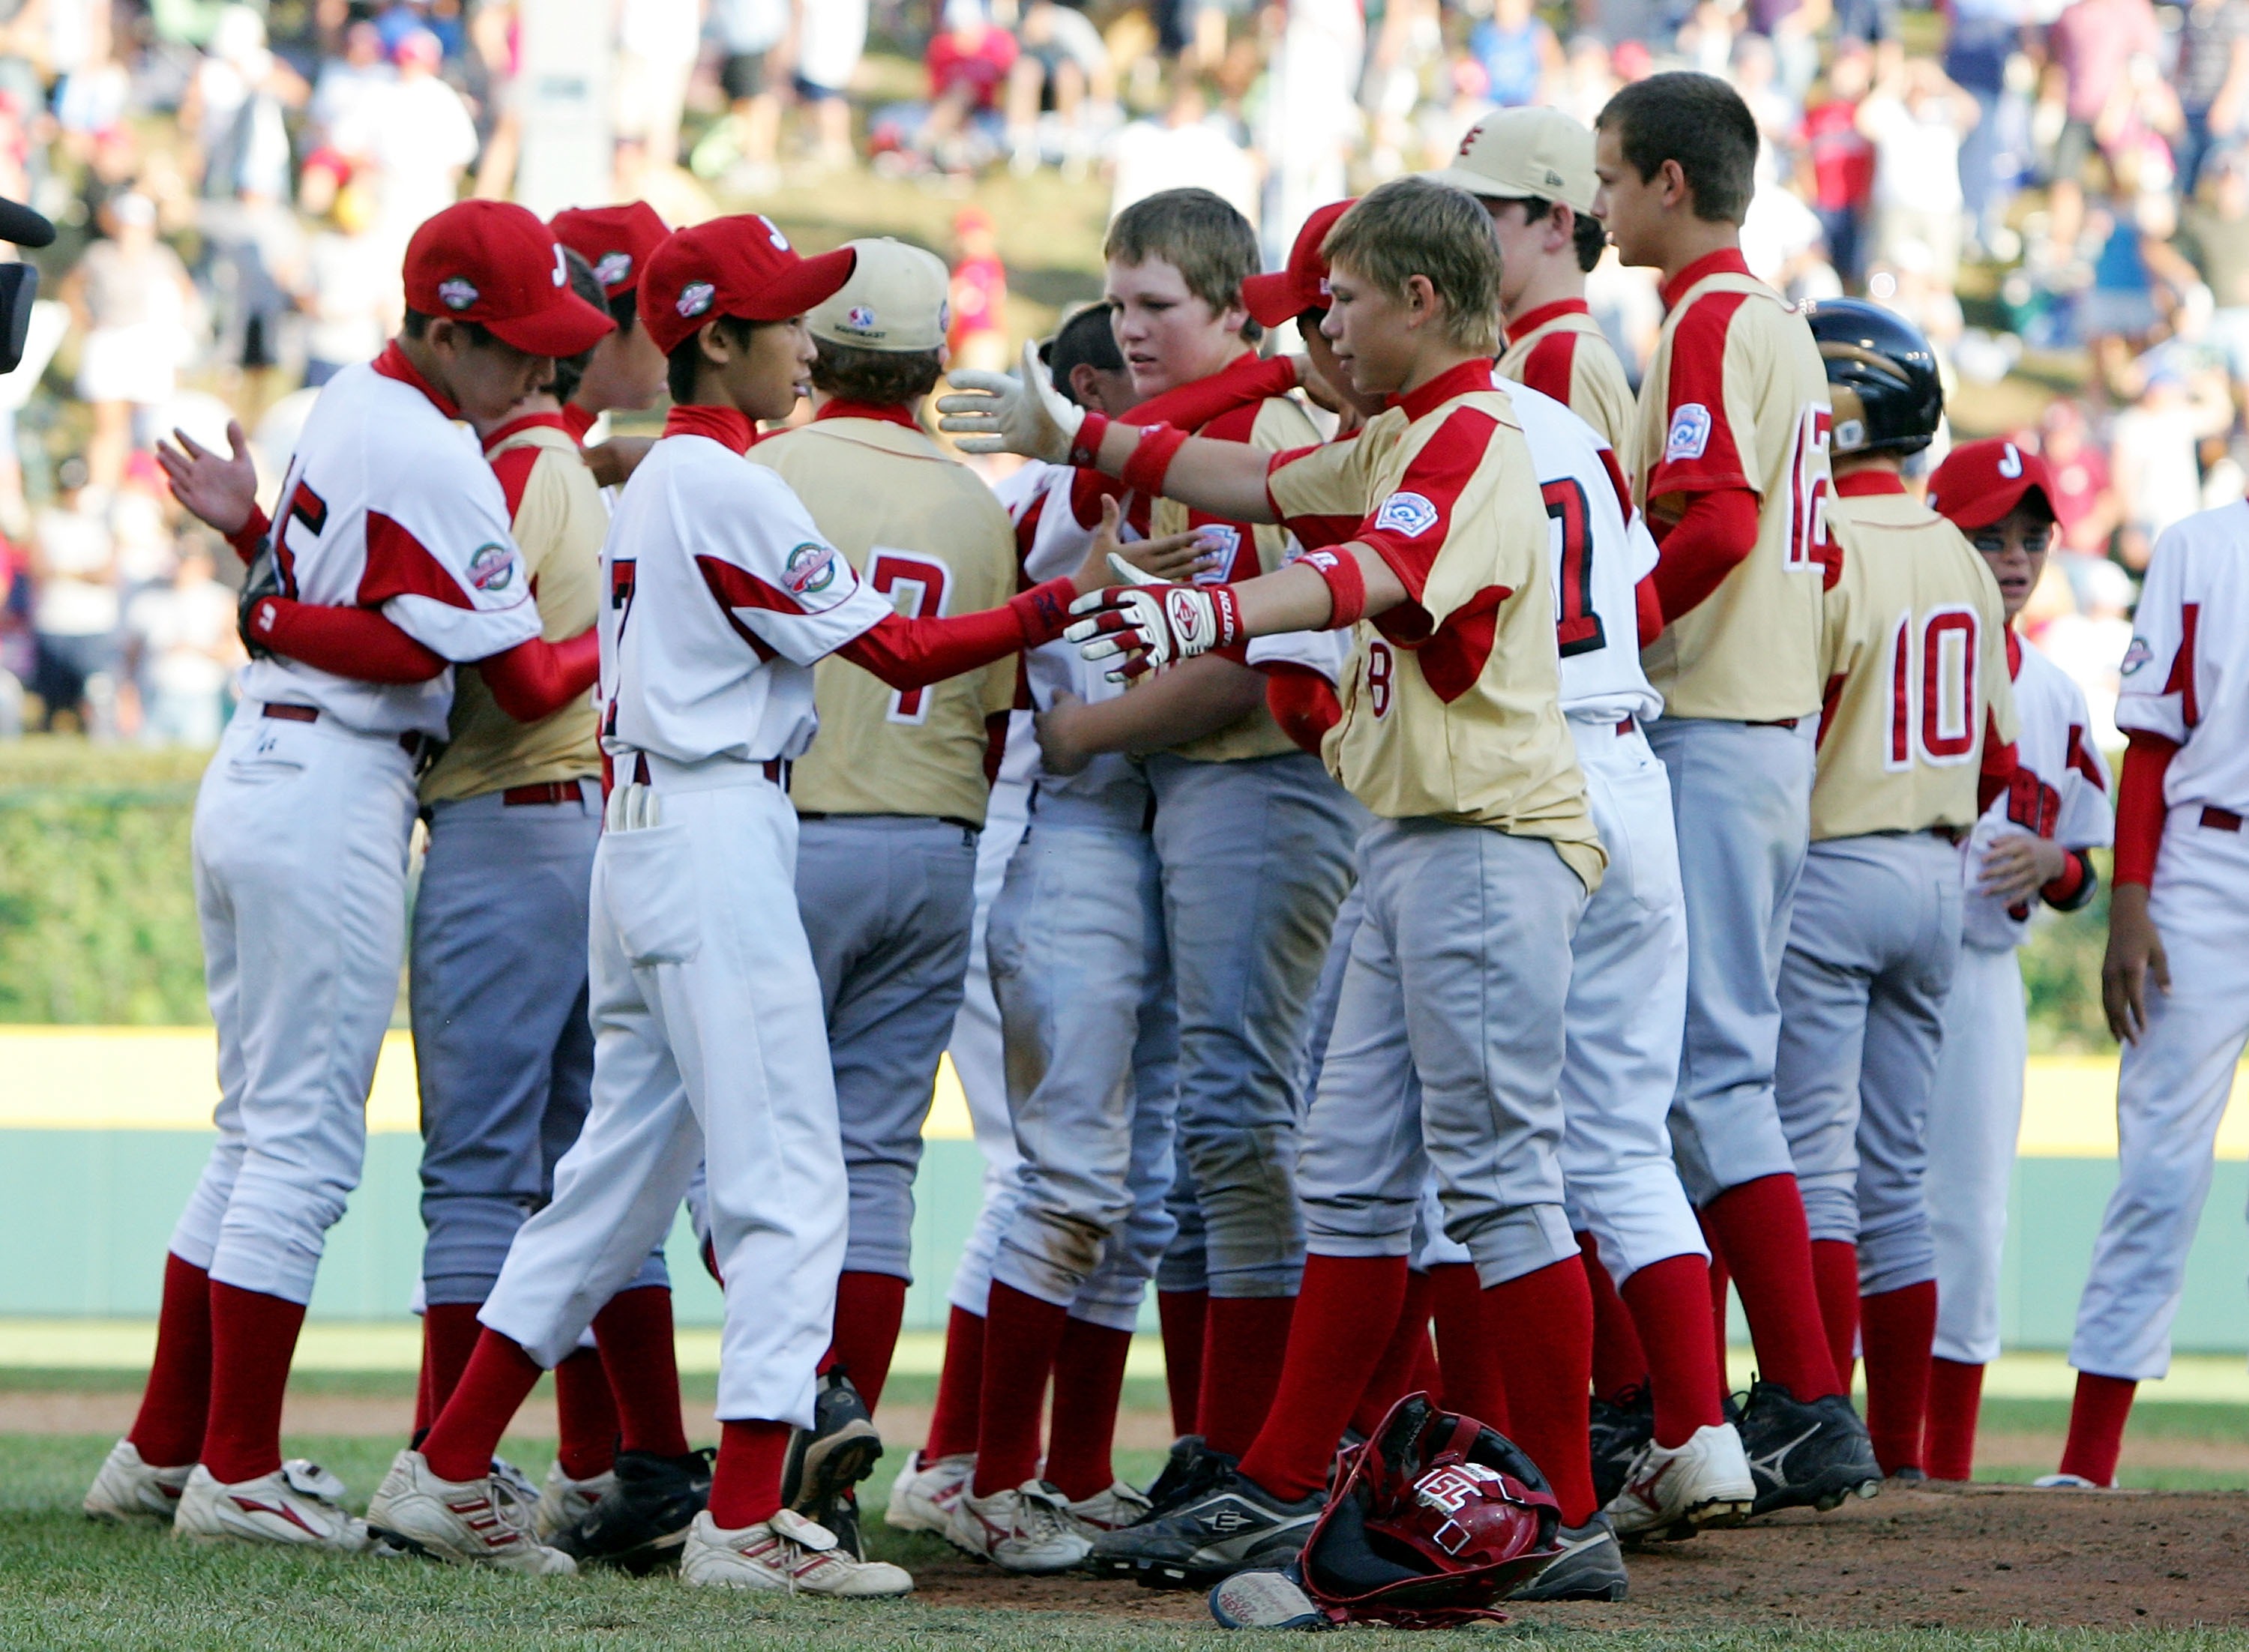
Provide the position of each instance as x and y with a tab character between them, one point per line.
1769	1464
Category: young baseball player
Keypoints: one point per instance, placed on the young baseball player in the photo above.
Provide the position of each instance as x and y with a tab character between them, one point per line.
1917	712
706	1002
627	371
2175	918
1733	472
1476	873
2028	847
1533	170
391	549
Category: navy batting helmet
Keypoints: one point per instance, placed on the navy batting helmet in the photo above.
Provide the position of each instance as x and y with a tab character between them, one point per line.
1883	374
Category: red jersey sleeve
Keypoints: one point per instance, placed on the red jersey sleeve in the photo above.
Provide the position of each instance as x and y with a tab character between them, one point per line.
1701	453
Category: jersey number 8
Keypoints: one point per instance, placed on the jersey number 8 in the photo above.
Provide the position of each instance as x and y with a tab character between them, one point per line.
1932	678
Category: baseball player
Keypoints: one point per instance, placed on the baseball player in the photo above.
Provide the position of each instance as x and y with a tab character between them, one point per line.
1732	477
627	369
2176	919
1918	712
2030	845
392	550
706	1002
1451	732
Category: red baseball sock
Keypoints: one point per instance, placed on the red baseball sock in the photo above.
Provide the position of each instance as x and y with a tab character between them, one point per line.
952	1421
1088	1377
449	1336
869	1309
633	1330
1836	1276
585	1416
1549	1314
1245	1340
1947	1443
1619	1361
1761	1233
499	1377
1900	1326
2096	1427
1393	1377
1669	1302
1345	1311
746	1481
1468	1359
1020	1336
1720	1279
253	1337
169	1432
1182	1315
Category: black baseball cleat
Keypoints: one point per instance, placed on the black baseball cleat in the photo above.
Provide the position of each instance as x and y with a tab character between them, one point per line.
834	1453
1620	1428
1590	1566
1233	1527
1805	1454
1192	1469
641	1523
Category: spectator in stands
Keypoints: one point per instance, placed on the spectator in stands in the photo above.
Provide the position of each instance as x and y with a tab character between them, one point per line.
1518	52
969	61
978	336
234	108
180	639
413	138
1985	36
345	82
1063	64
2214	236
2093	47
132	302
831	36
346	292
1186	146
1915	119
1837	170
656	43
751	72
2213	82
74	606
2085	507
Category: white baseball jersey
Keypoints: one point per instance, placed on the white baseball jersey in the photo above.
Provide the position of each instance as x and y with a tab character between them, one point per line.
1600	552
387	504
2060	791
723	596
2186	674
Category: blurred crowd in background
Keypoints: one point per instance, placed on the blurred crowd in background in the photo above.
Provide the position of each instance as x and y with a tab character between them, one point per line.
2057	194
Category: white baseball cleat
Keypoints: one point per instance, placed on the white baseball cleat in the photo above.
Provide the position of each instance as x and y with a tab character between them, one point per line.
1110	1510
300	1503
128	1489
923	1494
486	1522
563	1502
787	1552
1672	1493
2067	1482
1029	1529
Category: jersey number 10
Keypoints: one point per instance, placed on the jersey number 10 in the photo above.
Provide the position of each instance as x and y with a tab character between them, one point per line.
1932	678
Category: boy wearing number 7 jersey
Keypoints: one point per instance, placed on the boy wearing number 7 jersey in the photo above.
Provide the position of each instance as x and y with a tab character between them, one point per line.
1476	875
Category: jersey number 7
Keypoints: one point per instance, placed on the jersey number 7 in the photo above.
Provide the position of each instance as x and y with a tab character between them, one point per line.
925	582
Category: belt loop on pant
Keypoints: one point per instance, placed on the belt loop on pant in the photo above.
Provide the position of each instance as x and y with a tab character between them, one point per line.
1776	723
2219	819
777	771
282	711
1625	726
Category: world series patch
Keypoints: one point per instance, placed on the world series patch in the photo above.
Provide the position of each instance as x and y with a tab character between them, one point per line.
1407	513
1690	432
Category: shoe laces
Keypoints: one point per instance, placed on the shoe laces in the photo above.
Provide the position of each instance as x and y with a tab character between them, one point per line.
1042	1514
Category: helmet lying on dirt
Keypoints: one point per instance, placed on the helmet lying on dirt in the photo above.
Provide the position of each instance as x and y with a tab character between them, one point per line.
1434	1521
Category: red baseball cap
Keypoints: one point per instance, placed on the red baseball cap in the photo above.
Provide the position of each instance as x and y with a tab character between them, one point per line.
739	266
1272	299
1980	482
616	241
495	263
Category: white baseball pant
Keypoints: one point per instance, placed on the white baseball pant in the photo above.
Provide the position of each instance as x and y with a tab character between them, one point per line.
1870	960
710	1045
299	850
1975	1117
2171	1092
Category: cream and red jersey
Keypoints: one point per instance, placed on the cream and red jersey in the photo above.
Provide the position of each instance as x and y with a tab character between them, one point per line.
2059	790
1913	648
1452	701
2186	674
928	536
1599	552
1560	350
1735	397
554	507
1276	424
722	596
388	504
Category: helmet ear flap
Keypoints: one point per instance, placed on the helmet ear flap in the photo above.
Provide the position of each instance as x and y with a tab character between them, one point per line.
1850	426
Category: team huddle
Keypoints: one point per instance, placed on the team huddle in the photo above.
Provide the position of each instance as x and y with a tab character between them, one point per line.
1409	836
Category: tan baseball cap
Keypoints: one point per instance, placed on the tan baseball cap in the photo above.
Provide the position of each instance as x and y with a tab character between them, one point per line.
1516	153
895	300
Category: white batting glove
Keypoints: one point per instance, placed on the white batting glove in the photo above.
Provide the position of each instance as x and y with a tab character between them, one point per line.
1150	623
997	414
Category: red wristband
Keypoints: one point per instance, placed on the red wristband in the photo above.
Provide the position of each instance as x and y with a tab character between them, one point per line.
1151	458
1346	586
1085	446
245	538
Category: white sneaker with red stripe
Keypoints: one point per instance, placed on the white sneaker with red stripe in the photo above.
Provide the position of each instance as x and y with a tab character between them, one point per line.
486	1522
923	1494
788	1553
299	1504
1110	1510
129	1490
1026	1530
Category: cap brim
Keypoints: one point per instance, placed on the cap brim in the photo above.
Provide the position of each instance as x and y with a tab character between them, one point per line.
1476	183
809	282
564	328
1272	299
1987	508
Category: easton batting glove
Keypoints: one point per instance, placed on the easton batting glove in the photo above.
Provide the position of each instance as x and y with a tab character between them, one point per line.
998	413
1151	623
